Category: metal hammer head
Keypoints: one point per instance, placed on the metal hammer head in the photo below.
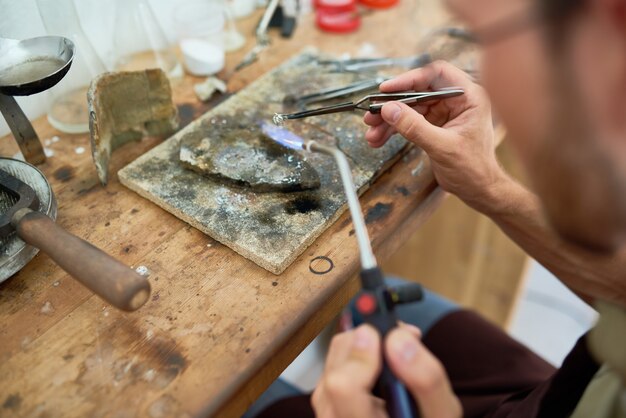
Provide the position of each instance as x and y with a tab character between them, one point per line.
21	196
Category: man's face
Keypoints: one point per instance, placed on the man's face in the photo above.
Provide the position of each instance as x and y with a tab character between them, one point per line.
564	109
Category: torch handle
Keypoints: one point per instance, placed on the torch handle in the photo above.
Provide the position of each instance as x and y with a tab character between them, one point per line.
375	305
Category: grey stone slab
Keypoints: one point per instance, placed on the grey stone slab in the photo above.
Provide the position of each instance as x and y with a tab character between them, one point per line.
271	229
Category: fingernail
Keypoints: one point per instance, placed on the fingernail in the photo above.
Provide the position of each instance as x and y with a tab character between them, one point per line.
404	346
362	338
391	112
411	328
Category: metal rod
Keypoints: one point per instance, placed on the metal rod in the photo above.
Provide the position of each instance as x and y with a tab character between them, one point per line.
341	107
262	40
22	130
261	31
368	261
336	92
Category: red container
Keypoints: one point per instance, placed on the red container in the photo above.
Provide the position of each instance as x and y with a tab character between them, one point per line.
337	16
336	5
379	4
343	22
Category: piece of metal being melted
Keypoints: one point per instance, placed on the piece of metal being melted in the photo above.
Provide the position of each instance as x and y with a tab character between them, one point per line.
247	157
278	119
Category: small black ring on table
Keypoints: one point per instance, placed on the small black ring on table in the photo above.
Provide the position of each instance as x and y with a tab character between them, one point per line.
331	265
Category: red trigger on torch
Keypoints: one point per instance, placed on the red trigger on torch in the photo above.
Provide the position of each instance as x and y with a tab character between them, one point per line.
366	304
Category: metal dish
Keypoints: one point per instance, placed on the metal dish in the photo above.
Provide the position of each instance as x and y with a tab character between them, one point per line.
15	253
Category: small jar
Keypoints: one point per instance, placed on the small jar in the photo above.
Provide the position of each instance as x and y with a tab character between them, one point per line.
337	16
200	31
242	8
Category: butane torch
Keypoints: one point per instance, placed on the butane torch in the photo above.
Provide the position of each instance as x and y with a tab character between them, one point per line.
375	302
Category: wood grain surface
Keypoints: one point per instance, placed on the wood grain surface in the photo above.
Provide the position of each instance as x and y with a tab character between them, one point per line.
218	328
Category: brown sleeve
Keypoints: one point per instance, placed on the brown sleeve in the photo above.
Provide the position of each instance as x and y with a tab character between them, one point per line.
495	376
297	406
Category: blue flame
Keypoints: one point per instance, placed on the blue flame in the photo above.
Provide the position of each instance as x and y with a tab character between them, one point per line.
282	135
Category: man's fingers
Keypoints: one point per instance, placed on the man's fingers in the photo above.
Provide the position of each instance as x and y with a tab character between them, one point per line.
410	328
412	125
361	363
372	119
423	375
338	350
437	75
320	405
378	135
421	123
418	79
347	383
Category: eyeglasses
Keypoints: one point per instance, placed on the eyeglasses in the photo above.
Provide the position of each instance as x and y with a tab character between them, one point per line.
497	31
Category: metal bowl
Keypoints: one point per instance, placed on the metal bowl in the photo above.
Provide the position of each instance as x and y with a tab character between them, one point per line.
15	253
33	65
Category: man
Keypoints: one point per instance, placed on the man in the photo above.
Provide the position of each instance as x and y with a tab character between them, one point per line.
555	71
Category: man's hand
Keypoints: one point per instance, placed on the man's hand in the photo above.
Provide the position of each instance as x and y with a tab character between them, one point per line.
354	363
457	133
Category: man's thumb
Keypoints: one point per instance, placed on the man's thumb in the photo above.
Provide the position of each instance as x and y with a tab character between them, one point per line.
423	375
410	124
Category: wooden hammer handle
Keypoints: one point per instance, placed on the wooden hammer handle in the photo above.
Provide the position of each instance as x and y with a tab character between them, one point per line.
110	279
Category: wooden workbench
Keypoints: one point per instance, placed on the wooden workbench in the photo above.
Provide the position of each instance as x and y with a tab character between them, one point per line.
217	329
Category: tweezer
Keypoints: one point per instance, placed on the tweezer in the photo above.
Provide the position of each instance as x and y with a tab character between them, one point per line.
376	102
361	64
335	92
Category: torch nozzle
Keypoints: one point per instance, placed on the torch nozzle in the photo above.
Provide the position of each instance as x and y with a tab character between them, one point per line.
368	261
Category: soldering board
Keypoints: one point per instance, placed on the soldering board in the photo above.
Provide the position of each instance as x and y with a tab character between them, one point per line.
270	229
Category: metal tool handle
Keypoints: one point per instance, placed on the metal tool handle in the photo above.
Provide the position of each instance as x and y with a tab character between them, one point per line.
341	107
22	130
110	279
406	62
336	92
379	100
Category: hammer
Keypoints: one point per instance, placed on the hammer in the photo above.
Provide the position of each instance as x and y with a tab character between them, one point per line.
110	279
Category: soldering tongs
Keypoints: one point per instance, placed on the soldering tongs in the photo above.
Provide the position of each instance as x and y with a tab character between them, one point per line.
373	103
